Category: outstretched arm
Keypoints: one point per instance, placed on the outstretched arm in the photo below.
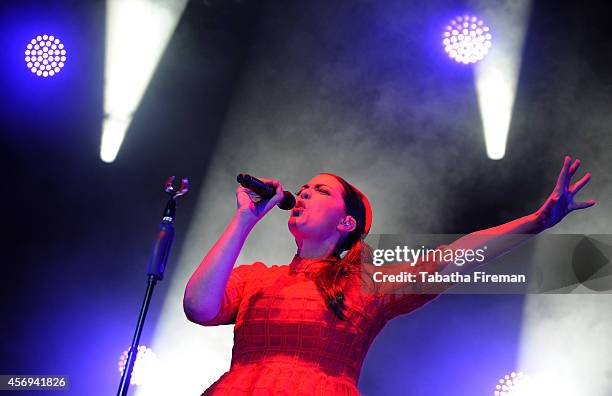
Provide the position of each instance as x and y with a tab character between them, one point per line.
503	238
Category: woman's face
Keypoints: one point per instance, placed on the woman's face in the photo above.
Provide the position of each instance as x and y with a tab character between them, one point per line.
319	209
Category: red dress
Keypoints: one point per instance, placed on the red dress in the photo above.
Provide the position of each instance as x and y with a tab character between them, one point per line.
287	342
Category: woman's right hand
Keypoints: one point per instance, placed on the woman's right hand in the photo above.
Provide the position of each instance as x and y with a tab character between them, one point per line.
251	207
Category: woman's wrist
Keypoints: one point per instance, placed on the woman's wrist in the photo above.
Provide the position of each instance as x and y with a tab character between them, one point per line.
534	224
242	223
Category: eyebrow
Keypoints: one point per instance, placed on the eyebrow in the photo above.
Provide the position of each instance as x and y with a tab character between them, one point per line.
316	185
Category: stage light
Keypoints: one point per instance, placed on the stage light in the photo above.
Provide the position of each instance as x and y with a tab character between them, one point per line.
466	39
145	367
497	74
520	384
45	55
137	32
514	384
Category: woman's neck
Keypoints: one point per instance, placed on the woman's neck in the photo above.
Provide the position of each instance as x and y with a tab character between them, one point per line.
316	249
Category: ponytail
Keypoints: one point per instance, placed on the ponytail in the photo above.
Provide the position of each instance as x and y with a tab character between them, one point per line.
331	279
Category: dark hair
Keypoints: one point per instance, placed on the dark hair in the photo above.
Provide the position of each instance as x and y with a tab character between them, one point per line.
331	279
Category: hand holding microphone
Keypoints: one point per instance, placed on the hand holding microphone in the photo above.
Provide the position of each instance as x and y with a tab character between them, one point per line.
256	197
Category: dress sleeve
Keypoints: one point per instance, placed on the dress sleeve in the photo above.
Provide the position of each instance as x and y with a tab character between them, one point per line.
239	277
393	299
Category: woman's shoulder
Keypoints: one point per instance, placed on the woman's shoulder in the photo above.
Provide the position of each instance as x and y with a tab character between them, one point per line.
259	267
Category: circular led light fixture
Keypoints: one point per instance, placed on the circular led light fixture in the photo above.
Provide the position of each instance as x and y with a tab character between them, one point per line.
45	55
466	39
145	366
514	384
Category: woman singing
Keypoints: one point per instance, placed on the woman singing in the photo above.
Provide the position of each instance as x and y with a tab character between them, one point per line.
305	328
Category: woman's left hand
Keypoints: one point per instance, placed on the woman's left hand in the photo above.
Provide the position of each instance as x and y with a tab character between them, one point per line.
561	201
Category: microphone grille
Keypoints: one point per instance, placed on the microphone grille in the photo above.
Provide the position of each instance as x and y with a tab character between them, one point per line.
288	201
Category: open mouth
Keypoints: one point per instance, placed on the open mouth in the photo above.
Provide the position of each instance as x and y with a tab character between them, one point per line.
298	208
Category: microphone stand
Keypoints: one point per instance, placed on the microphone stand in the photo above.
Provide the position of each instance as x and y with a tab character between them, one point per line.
155	271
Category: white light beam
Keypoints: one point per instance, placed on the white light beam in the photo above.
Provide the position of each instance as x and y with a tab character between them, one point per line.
137	33
497	74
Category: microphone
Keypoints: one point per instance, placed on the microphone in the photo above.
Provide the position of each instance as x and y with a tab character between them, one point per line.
265	191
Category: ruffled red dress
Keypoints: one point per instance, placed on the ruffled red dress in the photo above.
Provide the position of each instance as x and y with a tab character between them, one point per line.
287	342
